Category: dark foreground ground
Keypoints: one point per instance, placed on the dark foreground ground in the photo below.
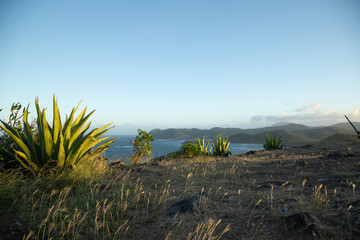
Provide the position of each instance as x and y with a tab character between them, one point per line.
310	192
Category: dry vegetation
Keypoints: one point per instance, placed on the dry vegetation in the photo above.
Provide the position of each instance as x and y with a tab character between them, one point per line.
298	193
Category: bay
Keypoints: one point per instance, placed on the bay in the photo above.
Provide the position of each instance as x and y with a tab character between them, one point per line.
122	149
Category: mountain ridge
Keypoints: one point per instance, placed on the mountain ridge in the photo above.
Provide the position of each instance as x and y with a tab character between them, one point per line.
291	133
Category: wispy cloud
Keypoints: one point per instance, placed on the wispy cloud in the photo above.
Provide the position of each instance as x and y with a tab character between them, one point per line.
309	115
316	107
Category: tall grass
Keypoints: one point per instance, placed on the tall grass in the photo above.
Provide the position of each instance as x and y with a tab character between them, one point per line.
94	202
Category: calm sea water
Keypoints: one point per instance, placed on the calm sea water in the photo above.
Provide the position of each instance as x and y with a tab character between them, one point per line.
122	148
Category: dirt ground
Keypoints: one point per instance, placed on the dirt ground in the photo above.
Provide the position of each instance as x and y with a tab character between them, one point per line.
309	192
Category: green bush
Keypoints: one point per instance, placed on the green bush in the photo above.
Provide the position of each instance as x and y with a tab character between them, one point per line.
221	146
59	146
272	143
188	150
142	147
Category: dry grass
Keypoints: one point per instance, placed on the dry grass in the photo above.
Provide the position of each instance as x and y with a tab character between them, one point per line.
266	195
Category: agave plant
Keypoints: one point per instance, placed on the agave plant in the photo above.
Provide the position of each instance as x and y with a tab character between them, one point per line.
221	146
204	147
272	142
64	144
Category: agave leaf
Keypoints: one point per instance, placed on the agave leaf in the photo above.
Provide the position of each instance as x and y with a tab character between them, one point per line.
7	153
39	118
101	148
31	165
89	142
56	122
77	151
67	127
30	138
76	130
61	155
47	139
80	117
80	136
9	130
100	131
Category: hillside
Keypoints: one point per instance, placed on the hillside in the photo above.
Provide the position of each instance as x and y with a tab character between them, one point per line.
292	134
290	138
193	133
346	126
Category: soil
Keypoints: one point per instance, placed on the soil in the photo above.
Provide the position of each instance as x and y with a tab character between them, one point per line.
309	192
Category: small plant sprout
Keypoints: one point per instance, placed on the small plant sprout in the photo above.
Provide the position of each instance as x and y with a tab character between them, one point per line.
187	186
320	197
348	215
353	185
206	231
302	192
252	212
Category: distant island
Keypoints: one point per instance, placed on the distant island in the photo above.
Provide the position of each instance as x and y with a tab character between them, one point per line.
291	133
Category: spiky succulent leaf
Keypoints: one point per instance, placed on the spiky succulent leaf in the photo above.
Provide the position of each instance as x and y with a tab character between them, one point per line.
56	127
66	143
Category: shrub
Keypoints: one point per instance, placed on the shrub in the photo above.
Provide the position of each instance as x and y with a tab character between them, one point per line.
221	146
7	144
59	146
142	147
272	143
188	150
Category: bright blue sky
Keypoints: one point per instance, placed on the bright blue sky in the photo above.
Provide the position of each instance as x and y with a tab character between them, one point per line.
160	64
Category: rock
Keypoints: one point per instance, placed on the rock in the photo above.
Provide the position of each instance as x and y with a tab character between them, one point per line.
117	164
302	222
301	163
181	207
184	206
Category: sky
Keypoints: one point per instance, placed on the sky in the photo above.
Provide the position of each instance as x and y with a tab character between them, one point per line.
184	64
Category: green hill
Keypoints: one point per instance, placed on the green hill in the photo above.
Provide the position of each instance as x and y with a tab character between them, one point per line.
290	138
292	134
193	133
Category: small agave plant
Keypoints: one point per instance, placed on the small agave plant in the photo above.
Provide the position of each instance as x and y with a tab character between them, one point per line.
204	147
272	142
64	144
221	146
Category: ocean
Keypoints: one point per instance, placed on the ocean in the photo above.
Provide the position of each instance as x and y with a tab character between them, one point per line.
122	149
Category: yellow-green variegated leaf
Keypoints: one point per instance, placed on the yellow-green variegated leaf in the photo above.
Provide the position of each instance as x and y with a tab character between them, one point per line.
47	139
80	117
30	137
21	157
61	155
77	129
18	140
56	127
68	124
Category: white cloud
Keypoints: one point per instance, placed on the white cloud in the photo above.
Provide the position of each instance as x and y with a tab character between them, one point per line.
316	107
355	113
308	115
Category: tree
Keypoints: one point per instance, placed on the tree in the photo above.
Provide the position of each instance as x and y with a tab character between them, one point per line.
142	147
